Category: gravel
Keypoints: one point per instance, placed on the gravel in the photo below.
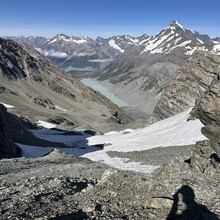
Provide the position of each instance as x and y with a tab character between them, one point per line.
156	156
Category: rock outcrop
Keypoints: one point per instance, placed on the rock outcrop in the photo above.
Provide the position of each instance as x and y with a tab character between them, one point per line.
7	148
207	109
190	83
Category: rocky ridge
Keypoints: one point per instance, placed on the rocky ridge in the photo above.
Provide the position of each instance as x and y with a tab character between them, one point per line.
190	83
83	53
39	90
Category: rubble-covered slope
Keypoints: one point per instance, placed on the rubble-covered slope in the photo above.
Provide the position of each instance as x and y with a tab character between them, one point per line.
40	90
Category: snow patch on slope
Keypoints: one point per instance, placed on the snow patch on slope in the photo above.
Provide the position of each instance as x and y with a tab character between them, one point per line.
216	49
7	105
115	46
173	131
46	124
59	108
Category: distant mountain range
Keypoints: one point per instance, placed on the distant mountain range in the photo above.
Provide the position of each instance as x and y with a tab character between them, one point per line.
136	69
84	53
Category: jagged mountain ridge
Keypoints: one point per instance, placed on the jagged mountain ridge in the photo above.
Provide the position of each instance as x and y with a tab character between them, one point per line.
176	36
40	90
130	67
96	54
145	72
83	53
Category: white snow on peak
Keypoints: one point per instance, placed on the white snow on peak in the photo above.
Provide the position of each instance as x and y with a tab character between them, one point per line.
158	44
216	49
77	41
7	105
115	46
216	42
176	22
192	50
53	41
154	43
81	40
200	41
133	40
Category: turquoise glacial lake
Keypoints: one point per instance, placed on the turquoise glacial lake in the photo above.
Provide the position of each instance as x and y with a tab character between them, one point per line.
104	91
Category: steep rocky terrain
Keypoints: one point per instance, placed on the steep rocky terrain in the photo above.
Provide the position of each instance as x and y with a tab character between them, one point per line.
7	148
189	84
59	186
207	110
145	72
39	90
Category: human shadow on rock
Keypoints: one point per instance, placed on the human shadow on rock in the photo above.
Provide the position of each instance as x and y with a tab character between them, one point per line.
193	210
78	215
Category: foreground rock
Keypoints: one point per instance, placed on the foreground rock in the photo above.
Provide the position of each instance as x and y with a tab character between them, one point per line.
207	110
59	186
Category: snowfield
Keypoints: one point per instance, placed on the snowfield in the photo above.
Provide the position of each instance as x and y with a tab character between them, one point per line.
173	131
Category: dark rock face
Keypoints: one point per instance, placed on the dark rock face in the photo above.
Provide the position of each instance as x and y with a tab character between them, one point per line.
7	148
190	83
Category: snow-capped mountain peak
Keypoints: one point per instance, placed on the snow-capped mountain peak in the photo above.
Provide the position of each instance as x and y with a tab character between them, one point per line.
174	25
176	36
63	37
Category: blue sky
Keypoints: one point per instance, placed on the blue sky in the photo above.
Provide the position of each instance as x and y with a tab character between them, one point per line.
106	17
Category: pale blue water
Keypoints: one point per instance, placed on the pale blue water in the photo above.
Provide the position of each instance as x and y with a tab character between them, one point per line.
98	87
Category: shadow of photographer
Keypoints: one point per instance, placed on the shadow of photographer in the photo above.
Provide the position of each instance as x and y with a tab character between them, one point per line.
193	210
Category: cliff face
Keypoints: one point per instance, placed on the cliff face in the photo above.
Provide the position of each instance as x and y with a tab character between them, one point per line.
191	81
7	148
207	109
